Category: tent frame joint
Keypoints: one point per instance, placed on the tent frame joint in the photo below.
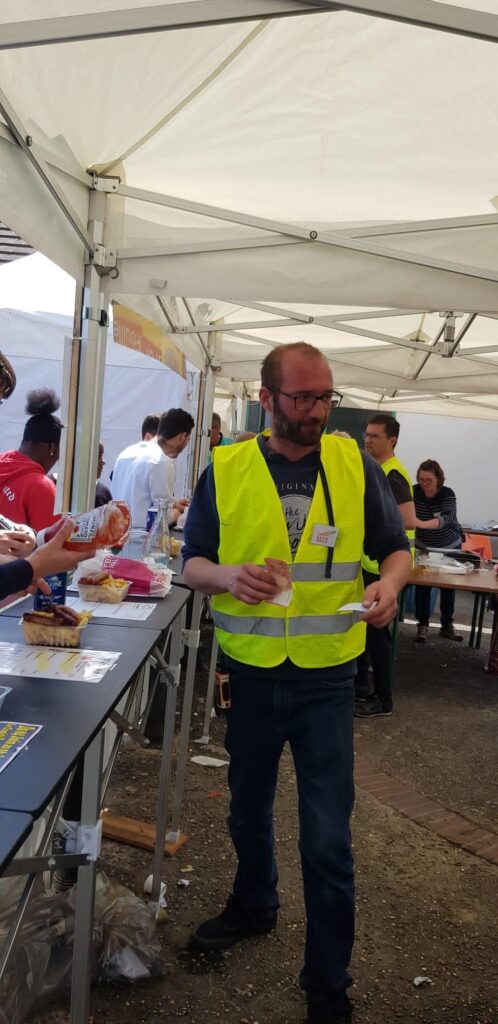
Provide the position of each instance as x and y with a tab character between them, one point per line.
100	316
104	260
105	182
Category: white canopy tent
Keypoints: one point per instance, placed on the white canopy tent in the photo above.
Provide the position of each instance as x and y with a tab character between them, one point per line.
306	169
34	343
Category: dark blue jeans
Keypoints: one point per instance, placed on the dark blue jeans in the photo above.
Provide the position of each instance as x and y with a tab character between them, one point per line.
316	718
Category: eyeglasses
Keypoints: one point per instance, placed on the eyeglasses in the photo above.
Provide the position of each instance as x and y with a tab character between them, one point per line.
304	402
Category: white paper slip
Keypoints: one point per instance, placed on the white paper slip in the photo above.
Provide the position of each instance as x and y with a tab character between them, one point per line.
357	606
71	663
282	598
208	762
126	610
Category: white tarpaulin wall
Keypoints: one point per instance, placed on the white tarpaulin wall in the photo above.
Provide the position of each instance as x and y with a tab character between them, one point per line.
336	161
134	385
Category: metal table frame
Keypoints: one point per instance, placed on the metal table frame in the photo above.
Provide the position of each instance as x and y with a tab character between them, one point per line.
94	783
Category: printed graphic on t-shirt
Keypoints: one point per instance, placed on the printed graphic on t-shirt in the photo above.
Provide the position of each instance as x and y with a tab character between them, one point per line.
296	498
295	508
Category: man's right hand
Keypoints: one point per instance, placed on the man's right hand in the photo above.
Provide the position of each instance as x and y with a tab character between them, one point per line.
249	583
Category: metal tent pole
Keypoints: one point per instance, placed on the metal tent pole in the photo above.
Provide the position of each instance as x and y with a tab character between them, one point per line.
91	369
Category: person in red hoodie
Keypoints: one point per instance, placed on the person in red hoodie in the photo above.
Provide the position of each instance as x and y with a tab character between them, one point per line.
26	493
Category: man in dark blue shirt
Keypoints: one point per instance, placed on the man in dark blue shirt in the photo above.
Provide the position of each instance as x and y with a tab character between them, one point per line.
309	707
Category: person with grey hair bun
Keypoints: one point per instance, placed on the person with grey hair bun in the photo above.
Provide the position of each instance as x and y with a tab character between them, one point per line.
26	493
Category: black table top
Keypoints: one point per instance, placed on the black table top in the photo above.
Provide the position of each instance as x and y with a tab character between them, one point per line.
164	613
14	828
70	712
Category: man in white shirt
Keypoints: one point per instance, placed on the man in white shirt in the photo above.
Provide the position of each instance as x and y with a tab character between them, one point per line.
145	472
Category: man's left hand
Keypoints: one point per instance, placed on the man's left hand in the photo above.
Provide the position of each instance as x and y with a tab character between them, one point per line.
383	592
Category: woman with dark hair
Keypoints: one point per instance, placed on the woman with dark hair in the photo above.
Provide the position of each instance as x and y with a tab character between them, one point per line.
26	492
437	526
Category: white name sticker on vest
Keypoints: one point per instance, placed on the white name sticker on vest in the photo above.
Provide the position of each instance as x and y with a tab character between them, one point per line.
326	536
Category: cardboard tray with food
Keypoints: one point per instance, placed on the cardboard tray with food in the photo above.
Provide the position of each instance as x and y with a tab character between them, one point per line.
55	626
101	586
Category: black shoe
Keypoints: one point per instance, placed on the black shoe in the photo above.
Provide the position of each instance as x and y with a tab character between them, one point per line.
373	709
422	634
230	927
363	698
334	1008
448	632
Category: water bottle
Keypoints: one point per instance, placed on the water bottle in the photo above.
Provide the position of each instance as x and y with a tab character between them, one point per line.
157	543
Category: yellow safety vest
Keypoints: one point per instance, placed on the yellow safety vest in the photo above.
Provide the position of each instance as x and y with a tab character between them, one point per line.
310	631
393	463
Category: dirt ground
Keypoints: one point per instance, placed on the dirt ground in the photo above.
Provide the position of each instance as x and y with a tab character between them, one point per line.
424	907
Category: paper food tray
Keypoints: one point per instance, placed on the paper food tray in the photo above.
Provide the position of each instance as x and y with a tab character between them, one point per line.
105	595
51	636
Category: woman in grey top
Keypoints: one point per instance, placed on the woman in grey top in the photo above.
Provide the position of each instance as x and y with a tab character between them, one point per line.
437	526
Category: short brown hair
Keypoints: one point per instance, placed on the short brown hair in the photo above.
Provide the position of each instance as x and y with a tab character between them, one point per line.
271	368
173	422
431	466
383	419
150	424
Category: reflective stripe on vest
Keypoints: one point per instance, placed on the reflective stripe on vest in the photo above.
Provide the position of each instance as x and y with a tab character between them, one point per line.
393	463
310	632
306	572
305	625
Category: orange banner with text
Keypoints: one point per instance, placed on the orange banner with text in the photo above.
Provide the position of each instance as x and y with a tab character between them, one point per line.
142	335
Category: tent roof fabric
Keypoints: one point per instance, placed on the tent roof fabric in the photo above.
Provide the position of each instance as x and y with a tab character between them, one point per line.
339	161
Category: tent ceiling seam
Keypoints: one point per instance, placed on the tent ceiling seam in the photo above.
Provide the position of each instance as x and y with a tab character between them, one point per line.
217	71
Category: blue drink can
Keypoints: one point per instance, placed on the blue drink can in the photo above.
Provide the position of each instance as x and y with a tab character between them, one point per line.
151	515
57	583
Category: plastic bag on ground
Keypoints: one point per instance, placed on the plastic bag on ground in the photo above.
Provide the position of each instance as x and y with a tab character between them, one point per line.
125	947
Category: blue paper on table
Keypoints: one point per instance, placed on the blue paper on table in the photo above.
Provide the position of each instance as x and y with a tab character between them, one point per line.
14	736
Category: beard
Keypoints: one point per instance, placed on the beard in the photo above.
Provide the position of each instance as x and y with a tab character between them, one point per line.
306	432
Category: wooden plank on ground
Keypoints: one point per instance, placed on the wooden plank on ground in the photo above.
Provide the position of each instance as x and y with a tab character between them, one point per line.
137	833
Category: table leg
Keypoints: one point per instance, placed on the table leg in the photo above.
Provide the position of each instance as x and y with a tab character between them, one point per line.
400	614
183	743
481	620
474	620
209	693
89	836
171	676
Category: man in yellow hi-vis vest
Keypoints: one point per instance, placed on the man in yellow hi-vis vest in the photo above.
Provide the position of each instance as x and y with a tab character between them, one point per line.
311	502
380	438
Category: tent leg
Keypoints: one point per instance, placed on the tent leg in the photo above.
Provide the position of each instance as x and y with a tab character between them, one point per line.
90	377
